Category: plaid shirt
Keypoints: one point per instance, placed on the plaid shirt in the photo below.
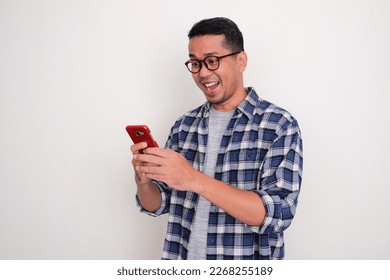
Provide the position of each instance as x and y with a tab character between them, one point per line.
261	151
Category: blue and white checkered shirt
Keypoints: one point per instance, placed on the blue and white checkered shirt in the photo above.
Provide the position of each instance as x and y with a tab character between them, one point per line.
261	151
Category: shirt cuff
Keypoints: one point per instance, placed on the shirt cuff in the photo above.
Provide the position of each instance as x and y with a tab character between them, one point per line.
273	221
163	206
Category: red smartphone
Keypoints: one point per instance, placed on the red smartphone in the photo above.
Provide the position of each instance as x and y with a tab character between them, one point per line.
141	133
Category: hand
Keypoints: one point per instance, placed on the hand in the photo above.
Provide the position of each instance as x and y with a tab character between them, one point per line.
148	193
136	149
167	166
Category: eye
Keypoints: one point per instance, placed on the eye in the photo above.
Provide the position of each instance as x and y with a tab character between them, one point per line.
195	63
212	61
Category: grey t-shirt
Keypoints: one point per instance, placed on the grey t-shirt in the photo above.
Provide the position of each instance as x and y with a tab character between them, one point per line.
197	246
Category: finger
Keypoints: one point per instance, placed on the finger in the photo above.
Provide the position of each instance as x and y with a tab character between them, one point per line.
149	171
156	151
138	147
142	163
149	159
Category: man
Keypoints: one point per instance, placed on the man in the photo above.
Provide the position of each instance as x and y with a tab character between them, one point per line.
231	171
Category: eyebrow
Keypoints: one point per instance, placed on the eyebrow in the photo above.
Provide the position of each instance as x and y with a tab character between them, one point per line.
206	55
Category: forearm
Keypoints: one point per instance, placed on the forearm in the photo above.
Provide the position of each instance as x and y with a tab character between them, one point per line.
246	206
149	196
173	169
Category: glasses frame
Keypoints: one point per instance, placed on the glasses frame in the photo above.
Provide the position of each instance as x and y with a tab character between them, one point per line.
203	62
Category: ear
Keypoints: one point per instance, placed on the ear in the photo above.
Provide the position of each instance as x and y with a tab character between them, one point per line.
242	60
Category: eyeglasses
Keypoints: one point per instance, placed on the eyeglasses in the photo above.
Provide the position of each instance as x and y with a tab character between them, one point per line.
211	63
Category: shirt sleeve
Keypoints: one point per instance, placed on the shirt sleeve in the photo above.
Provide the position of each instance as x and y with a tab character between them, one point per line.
281	178
164	207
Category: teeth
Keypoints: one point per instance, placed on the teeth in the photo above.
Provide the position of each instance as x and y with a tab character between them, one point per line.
210	84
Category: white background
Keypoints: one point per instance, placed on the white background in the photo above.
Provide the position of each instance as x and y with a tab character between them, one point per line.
74	73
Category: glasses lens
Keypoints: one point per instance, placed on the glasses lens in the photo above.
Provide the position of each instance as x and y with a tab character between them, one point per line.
212	62
193	65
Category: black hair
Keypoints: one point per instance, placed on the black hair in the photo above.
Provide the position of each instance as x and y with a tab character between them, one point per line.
220	26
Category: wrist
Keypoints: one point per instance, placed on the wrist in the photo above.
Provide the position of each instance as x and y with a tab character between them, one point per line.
198	182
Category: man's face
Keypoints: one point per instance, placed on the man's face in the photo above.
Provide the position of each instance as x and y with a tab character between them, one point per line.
223	87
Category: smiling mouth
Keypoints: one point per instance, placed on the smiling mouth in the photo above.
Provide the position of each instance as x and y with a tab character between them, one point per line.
211	86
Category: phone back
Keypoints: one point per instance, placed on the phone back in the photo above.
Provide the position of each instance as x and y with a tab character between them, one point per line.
141	133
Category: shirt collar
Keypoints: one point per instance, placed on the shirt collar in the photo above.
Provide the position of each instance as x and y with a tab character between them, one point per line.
248	105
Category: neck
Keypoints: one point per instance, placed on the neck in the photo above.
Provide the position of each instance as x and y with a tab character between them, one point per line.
232	103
